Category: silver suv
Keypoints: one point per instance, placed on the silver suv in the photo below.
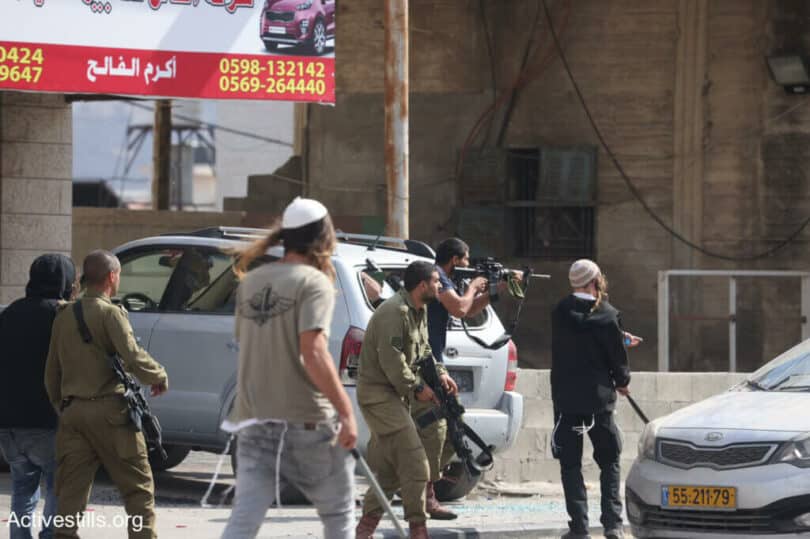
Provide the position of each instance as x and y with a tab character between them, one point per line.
179	290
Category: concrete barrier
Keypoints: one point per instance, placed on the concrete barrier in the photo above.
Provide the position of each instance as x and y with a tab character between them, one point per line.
657	394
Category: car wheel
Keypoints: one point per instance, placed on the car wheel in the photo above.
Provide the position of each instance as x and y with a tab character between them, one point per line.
455	483
175	454
270	46
289	494
318	40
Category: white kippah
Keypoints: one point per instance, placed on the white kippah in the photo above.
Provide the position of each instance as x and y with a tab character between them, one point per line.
301	212
582	272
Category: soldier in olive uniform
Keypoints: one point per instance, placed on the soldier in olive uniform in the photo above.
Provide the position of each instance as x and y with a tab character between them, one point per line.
396	337
94	425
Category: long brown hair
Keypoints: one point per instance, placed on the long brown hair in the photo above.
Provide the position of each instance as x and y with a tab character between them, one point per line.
315	241
601	284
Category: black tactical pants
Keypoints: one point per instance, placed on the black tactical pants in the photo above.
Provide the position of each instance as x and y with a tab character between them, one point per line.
566	444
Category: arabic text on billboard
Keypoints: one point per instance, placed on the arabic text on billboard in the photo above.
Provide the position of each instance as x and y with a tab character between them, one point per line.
209	49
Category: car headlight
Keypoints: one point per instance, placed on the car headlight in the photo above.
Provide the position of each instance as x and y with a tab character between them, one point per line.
646	443
803	520
795	452
303	6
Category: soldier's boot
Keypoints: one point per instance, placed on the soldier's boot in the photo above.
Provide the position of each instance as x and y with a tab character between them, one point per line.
418	530
366	526
434	508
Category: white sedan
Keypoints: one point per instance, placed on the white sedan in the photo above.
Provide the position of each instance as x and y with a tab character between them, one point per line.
734	465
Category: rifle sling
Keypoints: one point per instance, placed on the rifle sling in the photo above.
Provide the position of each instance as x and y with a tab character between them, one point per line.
510	330
430	417
434	415
83	329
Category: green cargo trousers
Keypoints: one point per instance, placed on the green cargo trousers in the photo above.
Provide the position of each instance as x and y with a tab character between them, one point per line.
99	432
434	438
398	460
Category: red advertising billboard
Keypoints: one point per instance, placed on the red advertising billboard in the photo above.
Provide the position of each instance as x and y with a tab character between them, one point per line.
205	49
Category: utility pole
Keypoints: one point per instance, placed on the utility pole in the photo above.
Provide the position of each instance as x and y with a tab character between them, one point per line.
396	117
161	154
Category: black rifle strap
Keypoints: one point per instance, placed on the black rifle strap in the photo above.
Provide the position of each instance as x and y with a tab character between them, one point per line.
430	417
434	415
472	435
509	331
83	329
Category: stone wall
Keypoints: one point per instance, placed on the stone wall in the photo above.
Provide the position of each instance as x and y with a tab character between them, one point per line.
35	184
681	92
657	394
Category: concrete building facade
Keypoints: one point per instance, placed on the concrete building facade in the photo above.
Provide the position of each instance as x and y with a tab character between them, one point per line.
35	184
682	95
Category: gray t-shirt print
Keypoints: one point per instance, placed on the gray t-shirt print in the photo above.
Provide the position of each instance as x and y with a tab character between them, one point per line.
275	304
264	305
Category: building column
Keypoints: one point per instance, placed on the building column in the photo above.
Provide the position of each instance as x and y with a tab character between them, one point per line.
35	184
688	169
689	102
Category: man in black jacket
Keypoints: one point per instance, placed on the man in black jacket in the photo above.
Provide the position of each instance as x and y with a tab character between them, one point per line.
27	419
588	367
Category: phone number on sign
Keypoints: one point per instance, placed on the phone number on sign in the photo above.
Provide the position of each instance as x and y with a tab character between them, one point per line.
271	85
21	64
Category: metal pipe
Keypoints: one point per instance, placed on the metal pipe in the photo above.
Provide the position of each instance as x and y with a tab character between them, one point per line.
663	321
375	486
396	117
805	307
732	325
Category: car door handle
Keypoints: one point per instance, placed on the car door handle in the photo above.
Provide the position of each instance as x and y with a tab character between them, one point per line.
232	345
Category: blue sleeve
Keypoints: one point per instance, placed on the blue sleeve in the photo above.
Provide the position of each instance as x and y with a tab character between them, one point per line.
445	283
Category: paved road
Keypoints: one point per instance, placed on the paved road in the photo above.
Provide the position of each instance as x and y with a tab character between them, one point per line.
528	510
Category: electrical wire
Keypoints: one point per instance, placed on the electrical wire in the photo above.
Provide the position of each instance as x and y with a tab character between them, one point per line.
491	54
513	94
521	79
222	128
631	186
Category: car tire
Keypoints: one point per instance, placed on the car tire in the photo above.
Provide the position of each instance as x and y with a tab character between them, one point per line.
317	42
270	46
175	454
455	483
289	494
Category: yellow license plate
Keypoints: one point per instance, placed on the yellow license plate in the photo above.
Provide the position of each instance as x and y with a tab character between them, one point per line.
701	497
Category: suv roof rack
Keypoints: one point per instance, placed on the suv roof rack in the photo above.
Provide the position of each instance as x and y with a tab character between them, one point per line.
224	232
413	247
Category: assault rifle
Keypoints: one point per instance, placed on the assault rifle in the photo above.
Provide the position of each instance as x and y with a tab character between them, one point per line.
139	412
495	273
450	409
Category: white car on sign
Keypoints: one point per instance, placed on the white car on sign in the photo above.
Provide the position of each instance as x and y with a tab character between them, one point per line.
734	465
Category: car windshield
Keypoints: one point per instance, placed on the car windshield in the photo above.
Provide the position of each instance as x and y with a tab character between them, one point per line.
389	280
788	372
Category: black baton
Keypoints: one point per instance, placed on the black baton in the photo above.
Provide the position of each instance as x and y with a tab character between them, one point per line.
637	409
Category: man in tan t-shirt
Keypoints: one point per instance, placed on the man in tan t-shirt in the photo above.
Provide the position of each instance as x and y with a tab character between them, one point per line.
290	405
